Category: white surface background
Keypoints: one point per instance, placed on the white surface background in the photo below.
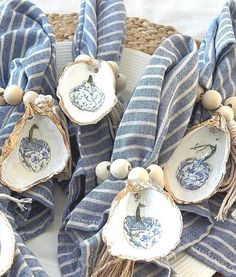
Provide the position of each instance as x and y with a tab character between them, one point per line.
187	16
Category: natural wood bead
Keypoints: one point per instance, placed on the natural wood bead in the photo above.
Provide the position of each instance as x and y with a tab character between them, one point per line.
139	174
121	82
231	102
227	112
2	91
211	100
233	214
200	93
29	96
120	168
156	174
2	101
13	95
115	68
102	170
82	57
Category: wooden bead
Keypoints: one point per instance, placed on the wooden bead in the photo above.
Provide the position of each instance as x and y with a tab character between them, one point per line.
121	82
13	95
30	96
231	102
49	100
233	214
102	170
2	91
120	168
227	112
211	100
156	174
82	57
2	101
115	68
200	93
139	174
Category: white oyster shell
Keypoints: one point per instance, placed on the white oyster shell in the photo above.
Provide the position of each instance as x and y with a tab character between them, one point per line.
198	165
86	91
7	244
31	159
144	223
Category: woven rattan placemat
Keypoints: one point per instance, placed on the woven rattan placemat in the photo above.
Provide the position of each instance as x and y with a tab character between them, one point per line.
141	35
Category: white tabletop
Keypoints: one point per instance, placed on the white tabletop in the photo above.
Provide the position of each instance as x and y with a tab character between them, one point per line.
187	16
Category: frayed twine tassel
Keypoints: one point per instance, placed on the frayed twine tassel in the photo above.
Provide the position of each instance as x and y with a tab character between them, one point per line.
19	202
229	185
110	266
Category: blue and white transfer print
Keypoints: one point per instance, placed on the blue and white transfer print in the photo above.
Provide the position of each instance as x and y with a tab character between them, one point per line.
193	173
142	232
34	153
87	96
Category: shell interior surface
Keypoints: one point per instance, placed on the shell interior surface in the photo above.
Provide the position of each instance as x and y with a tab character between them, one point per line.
7	244
40	152
198	164
87	91
137	228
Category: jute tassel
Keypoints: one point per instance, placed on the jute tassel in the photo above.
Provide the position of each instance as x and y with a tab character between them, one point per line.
110	266
20	202
229	185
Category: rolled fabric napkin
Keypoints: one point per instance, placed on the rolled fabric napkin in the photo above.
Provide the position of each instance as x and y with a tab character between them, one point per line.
24	262
27	60
154	122
27	54
100	35
218	72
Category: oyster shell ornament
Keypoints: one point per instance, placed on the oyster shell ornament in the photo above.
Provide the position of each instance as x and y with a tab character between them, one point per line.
197	167
137	228
38	148
7	244
86	90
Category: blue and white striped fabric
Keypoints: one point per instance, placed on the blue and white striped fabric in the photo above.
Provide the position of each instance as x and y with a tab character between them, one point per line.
154	122
100	31
25	263
100	34
217	63
27	59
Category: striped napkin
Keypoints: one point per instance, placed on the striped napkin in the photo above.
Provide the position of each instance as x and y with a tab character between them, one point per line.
27	59
100	34
154	122
217	65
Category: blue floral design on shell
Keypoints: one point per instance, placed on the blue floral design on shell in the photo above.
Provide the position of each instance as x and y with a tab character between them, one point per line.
87	96
142	232
34	153
193	173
